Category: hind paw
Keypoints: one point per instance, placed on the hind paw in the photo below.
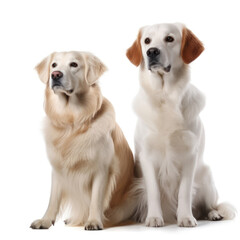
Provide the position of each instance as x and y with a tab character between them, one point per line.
214	216
68	221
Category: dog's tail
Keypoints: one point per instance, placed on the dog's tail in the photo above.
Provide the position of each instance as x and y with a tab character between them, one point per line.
133	208
226	211
141	207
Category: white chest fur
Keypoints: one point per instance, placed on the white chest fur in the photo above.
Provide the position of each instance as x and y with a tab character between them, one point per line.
162	117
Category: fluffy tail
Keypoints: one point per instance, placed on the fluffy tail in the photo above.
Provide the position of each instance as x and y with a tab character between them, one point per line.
226	210
141	208
133	207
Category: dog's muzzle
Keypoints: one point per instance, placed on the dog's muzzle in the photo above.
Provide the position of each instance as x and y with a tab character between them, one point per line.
153	57
57	84
56	79
154	60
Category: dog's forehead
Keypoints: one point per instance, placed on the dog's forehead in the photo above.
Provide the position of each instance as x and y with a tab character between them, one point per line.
66	56
161	29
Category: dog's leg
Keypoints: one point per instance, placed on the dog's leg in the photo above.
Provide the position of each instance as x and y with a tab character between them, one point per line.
96	205
206	198
154	215
184	212
183	144
53	208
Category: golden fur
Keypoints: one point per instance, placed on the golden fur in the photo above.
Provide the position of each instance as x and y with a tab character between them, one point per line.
91	160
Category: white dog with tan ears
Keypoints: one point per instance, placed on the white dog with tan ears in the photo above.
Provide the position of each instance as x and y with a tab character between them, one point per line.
169	138
92	164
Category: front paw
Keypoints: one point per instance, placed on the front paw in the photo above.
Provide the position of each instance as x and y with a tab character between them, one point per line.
93	225
42	224
187	222
154	222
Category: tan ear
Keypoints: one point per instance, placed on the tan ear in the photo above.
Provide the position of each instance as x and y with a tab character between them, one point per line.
191	47
94	68
134	53
43	69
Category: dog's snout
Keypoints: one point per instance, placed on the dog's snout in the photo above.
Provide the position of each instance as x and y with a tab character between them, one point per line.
56	75
153	52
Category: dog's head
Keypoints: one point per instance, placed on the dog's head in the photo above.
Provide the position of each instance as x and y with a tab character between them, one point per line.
70	72
163	47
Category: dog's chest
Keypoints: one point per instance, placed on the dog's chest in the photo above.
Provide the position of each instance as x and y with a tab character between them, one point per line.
67	150
162	115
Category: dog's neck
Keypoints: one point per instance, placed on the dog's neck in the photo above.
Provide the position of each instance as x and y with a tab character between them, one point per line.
76	110
160	85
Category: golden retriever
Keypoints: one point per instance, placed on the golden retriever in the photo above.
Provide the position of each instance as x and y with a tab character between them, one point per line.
92	164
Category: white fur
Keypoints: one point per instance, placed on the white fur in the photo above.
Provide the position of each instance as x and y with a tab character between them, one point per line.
169	139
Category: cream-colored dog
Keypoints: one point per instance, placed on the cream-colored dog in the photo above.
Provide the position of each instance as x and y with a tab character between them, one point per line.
169	136
92	164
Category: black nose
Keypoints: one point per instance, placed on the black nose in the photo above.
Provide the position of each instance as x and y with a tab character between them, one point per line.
56	75
153	52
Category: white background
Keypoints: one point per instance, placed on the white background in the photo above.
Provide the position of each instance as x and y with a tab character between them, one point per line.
30	30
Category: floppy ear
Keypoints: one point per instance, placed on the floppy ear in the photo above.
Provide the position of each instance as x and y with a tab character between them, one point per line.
134	53
43	69
94	68
191	47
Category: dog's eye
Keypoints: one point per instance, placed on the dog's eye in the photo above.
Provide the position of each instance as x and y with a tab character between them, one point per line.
169	39
54	65
147	40
73	64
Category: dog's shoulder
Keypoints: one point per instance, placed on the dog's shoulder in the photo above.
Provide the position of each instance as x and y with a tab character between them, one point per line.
105	113
193	102
103	122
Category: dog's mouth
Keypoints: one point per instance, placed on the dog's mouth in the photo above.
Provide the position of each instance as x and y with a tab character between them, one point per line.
156	66
60	88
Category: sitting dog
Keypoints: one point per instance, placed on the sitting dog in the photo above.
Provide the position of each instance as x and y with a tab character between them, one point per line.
92	164
169	138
